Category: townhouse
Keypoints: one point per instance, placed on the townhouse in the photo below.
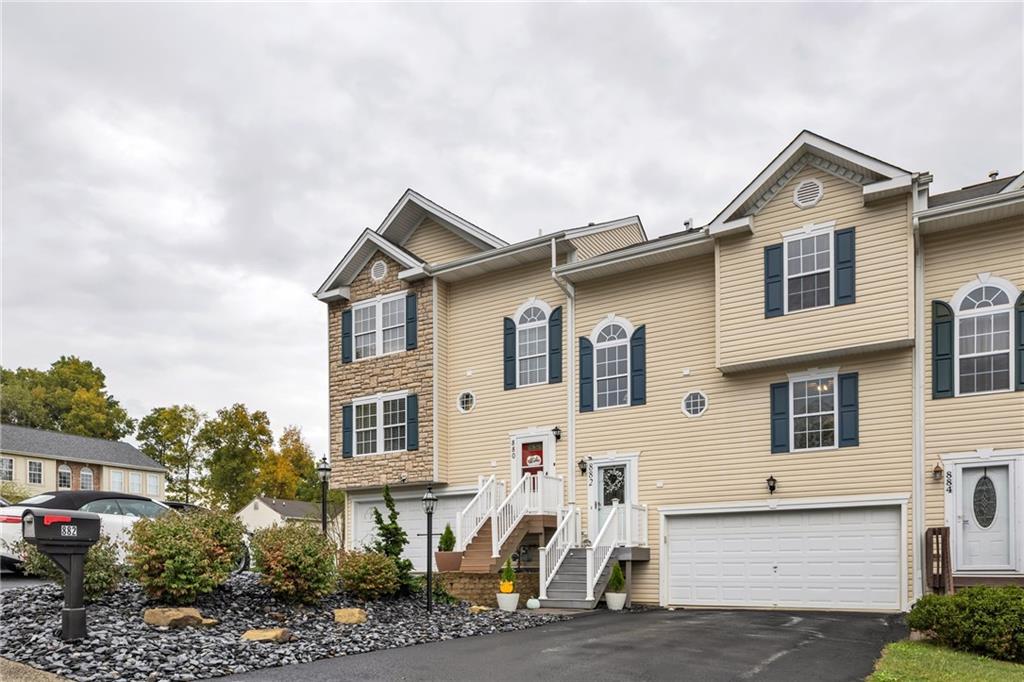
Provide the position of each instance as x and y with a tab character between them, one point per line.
813	401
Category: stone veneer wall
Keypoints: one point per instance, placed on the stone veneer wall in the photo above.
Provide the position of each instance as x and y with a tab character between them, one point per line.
480	588
407	370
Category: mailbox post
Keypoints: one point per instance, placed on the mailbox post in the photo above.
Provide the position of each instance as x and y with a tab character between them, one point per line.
65	536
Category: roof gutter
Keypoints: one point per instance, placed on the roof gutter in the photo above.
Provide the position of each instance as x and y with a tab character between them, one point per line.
679	243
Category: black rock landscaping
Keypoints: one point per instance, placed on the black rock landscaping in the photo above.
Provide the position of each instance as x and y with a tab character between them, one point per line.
121	646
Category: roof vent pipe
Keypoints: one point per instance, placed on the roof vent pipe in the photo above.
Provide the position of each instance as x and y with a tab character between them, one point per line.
992	175
688	224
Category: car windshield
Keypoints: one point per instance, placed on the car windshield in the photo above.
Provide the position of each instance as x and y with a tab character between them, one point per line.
35	501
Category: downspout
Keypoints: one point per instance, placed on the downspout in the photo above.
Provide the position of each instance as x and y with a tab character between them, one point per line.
434	389
570	296
919	202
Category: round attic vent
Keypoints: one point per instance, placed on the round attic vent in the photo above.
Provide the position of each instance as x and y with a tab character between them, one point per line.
379	271
808	193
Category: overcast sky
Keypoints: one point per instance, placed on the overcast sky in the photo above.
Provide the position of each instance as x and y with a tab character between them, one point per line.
178	179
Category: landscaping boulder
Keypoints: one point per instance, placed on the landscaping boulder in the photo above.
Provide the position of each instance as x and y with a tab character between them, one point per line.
176	617
268	635
476	608
349	616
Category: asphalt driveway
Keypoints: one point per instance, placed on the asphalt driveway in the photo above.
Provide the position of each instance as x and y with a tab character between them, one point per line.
650	645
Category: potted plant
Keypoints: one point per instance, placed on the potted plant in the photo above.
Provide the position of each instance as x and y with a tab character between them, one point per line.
507	599
615	594
445	558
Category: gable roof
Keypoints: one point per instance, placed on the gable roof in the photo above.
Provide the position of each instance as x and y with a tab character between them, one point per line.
292	509
807	148
412	207
369	242
982	189
22	440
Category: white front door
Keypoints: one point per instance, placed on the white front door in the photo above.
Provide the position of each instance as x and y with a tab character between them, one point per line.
985	515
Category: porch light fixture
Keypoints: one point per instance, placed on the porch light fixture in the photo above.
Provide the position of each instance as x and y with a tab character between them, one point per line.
937	472
583	467
324	471
557	433
771	484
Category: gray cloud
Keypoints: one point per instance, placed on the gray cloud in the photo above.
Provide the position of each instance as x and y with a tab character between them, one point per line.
178	178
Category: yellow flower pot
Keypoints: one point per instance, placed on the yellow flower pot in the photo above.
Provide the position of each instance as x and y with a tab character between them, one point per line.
506	586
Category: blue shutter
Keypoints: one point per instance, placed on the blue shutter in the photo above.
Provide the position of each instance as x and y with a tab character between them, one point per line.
586	375
346	335
555	346
412	422
346	431
846	271
410	321
849	420
510	354
942	350
773	304
638	366
1018	312
780	416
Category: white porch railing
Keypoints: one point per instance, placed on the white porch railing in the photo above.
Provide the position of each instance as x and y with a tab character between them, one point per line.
633	525
566	536
469	520
533	494
603	546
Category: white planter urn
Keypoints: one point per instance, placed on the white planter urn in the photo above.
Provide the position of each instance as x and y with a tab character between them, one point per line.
615	600
508	601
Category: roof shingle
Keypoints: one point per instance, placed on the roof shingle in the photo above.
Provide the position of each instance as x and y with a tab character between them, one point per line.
55	445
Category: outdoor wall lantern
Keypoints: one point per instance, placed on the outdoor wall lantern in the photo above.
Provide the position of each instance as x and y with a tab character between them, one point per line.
557	433
324	470
583	467
771	484
429	502
937	472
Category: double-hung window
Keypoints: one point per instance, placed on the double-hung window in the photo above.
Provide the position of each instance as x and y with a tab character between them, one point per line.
611	366
152	484
379	326
984	340
380	425
64	477
532	346
6	469
135	482
808	268
813	413
85	478
117	481
35	472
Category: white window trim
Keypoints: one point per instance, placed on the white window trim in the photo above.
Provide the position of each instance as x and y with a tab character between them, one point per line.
65	469
532	302
707	403
378	331
379	399
809	375
458	402
28	472
11	460
111	475
92	478
612	318
156	488
130	475
809	230
988	280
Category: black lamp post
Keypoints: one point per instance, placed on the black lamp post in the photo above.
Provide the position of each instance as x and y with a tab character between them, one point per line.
429	501
324	469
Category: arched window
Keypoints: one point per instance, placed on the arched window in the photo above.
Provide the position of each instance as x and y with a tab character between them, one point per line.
532	343
85	478
611	362
984	335
64	477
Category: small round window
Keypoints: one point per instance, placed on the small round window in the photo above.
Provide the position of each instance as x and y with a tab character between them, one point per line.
379	271
695	404
467	401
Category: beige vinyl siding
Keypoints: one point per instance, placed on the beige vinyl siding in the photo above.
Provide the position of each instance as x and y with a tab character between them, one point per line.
725	455
966	423
884	274
432	243
441	377
595	244
475	328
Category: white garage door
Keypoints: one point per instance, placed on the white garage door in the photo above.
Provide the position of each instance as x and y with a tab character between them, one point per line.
820	558
412	519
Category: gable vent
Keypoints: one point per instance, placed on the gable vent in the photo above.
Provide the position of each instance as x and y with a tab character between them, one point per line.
808	193
379	271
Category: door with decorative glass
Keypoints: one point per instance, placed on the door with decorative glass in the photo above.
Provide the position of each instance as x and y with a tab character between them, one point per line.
985	517
612	481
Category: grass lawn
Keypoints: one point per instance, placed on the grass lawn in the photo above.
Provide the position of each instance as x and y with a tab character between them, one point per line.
912	661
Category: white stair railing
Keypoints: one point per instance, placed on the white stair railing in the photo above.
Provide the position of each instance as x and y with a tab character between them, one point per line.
566	536
469	521
506	516
636	528
601	549
549	494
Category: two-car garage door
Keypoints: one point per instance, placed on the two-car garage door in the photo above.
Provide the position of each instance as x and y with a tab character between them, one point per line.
840	558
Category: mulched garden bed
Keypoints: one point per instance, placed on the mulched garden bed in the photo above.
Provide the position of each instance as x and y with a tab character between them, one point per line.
120	646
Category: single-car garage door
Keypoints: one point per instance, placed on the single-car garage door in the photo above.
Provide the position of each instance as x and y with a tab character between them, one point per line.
840	558
413	520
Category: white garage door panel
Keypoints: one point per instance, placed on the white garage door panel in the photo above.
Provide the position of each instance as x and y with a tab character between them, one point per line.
411	518
820	558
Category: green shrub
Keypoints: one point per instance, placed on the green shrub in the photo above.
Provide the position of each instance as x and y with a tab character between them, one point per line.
228	532
982	619
391	541
446	543
103	572
178	557
297	562
368	575
616	581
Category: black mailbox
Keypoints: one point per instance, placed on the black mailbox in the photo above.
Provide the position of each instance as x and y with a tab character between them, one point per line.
64	536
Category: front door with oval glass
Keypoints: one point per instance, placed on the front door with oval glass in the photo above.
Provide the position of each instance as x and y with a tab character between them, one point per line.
985	516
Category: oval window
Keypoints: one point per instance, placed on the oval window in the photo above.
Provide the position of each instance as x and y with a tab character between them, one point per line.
984	501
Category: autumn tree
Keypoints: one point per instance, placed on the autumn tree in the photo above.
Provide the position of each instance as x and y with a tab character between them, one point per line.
170	435
236	441
288	466
71	396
